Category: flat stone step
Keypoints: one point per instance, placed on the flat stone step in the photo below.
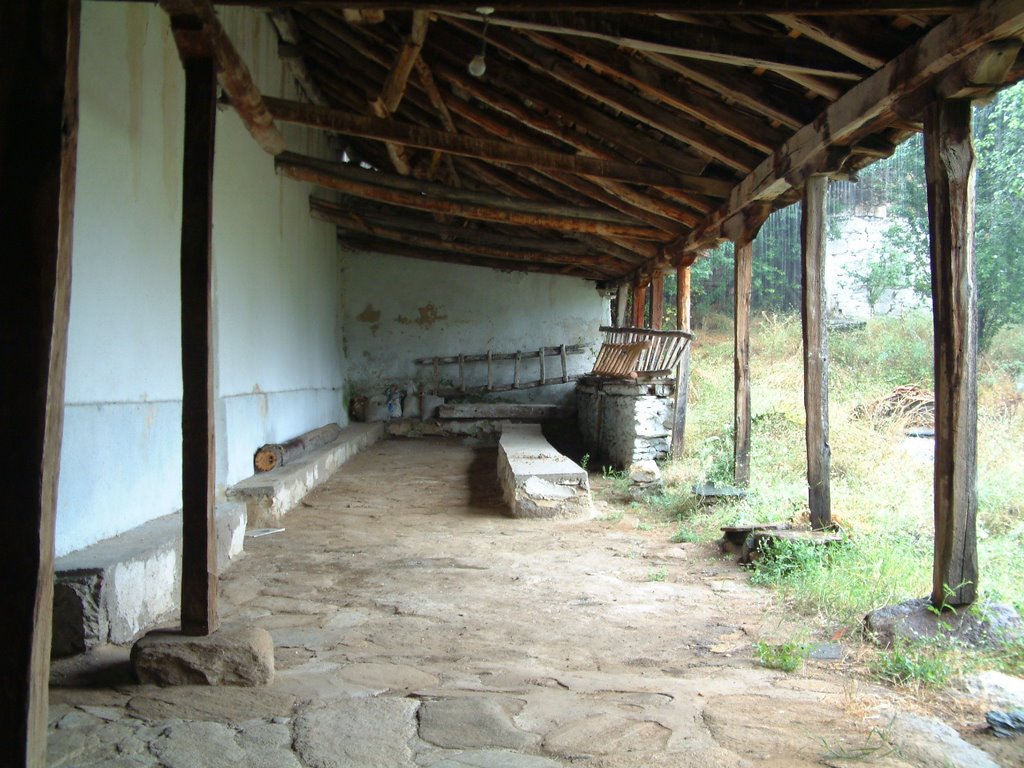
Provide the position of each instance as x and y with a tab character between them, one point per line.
268	496
110	591
537	480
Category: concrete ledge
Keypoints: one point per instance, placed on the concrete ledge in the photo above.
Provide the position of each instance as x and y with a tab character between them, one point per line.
268	496
538	481
112	590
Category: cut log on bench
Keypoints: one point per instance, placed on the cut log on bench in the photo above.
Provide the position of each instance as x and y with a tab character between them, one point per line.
274	455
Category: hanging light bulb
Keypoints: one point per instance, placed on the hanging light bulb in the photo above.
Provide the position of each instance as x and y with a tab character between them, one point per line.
478	64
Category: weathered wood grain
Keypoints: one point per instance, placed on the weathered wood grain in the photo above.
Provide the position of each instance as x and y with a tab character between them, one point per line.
744	272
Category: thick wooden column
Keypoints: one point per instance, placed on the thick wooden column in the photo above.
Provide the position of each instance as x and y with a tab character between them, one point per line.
657	300
639	305
199	546
949	168
38	141
744	272
815	333
621	300
683	376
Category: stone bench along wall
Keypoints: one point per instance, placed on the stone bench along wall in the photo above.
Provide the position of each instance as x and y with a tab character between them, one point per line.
538	481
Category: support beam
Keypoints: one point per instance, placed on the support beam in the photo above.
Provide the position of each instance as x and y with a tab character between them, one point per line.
621	300
815	336
199	533
949	169
744	273
683	375
38	142
657	300
232	73
639	305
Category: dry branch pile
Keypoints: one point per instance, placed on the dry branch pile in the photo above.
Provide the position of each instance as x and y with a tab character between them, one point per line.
910	404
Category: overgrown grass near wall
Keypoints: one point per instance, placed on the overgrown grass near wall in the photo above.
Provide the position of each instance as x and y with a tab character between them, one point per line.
881	479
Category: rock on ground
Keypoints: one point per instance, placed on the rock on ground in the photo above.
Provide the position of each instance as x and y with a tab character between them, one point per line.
229	656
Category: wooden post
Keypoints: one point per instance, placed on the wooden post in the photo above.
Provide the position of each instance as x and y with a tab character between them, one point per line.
949	169
639	305
744	271
683	373
815	335
621	300
657	300
38	140
199	533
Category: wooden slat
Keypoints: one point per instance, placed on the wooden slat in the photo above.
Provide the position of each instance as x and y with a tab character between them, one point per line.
38	142
815	343
949	167
199	532
744	260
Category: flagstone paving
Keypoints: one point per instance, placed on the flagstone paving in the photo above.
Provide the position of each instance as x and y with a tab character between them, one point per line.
416	623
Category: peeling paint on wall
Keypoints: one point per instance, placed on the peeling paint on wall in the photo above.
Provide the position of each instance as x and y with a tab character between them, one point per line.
369	315
428	316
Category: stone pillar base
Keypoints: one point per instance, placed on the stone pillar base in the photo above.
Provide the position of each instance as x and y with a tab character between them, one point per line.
229	656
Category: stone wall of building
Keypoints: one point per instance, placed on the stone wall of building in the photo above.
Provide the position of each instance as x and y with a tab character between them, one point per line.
623	422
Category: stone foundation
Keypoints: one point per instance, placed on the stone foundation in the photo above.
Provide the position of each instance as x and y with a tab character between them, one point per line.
625	421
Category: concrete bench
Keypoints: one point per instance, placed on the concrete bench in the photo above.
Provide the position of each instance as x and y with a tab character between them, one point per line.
538	481
268	496
110	591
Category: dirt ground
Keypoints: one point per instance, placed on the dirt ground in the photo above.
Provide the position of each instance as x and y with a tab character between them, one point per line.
415	623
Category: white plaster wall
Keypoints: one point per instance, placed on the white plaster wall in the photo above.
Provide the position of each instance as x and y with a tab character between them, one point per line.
277	282
398	309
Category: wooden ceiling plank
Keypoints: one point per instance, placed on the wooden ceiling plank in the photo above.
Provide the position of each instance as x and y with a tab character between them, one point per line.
645	78
374	185
692	7
870	103
375	245
344	122
833	38
725	151
702	43
750	93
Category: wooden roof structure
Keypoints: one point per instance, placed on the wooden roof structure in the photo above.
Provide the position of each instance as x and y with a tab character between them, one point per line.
603	140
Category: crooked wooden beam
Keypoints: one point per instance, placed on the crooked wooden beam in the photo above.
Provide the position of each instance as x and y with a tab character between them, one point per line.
38	156
232	73
371	185
468	146
949	167
866	106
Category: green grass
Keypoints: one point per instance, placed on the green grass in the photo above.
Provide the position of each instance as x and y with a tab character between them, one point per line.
788	656
881	495
661	574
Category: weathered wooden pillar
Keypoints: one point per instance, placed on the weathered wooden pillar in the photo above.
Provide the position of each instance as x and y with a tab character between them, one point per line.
949	169
38	141
199	535
683	377
657	300
815	335
621	300
639	305
744	273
